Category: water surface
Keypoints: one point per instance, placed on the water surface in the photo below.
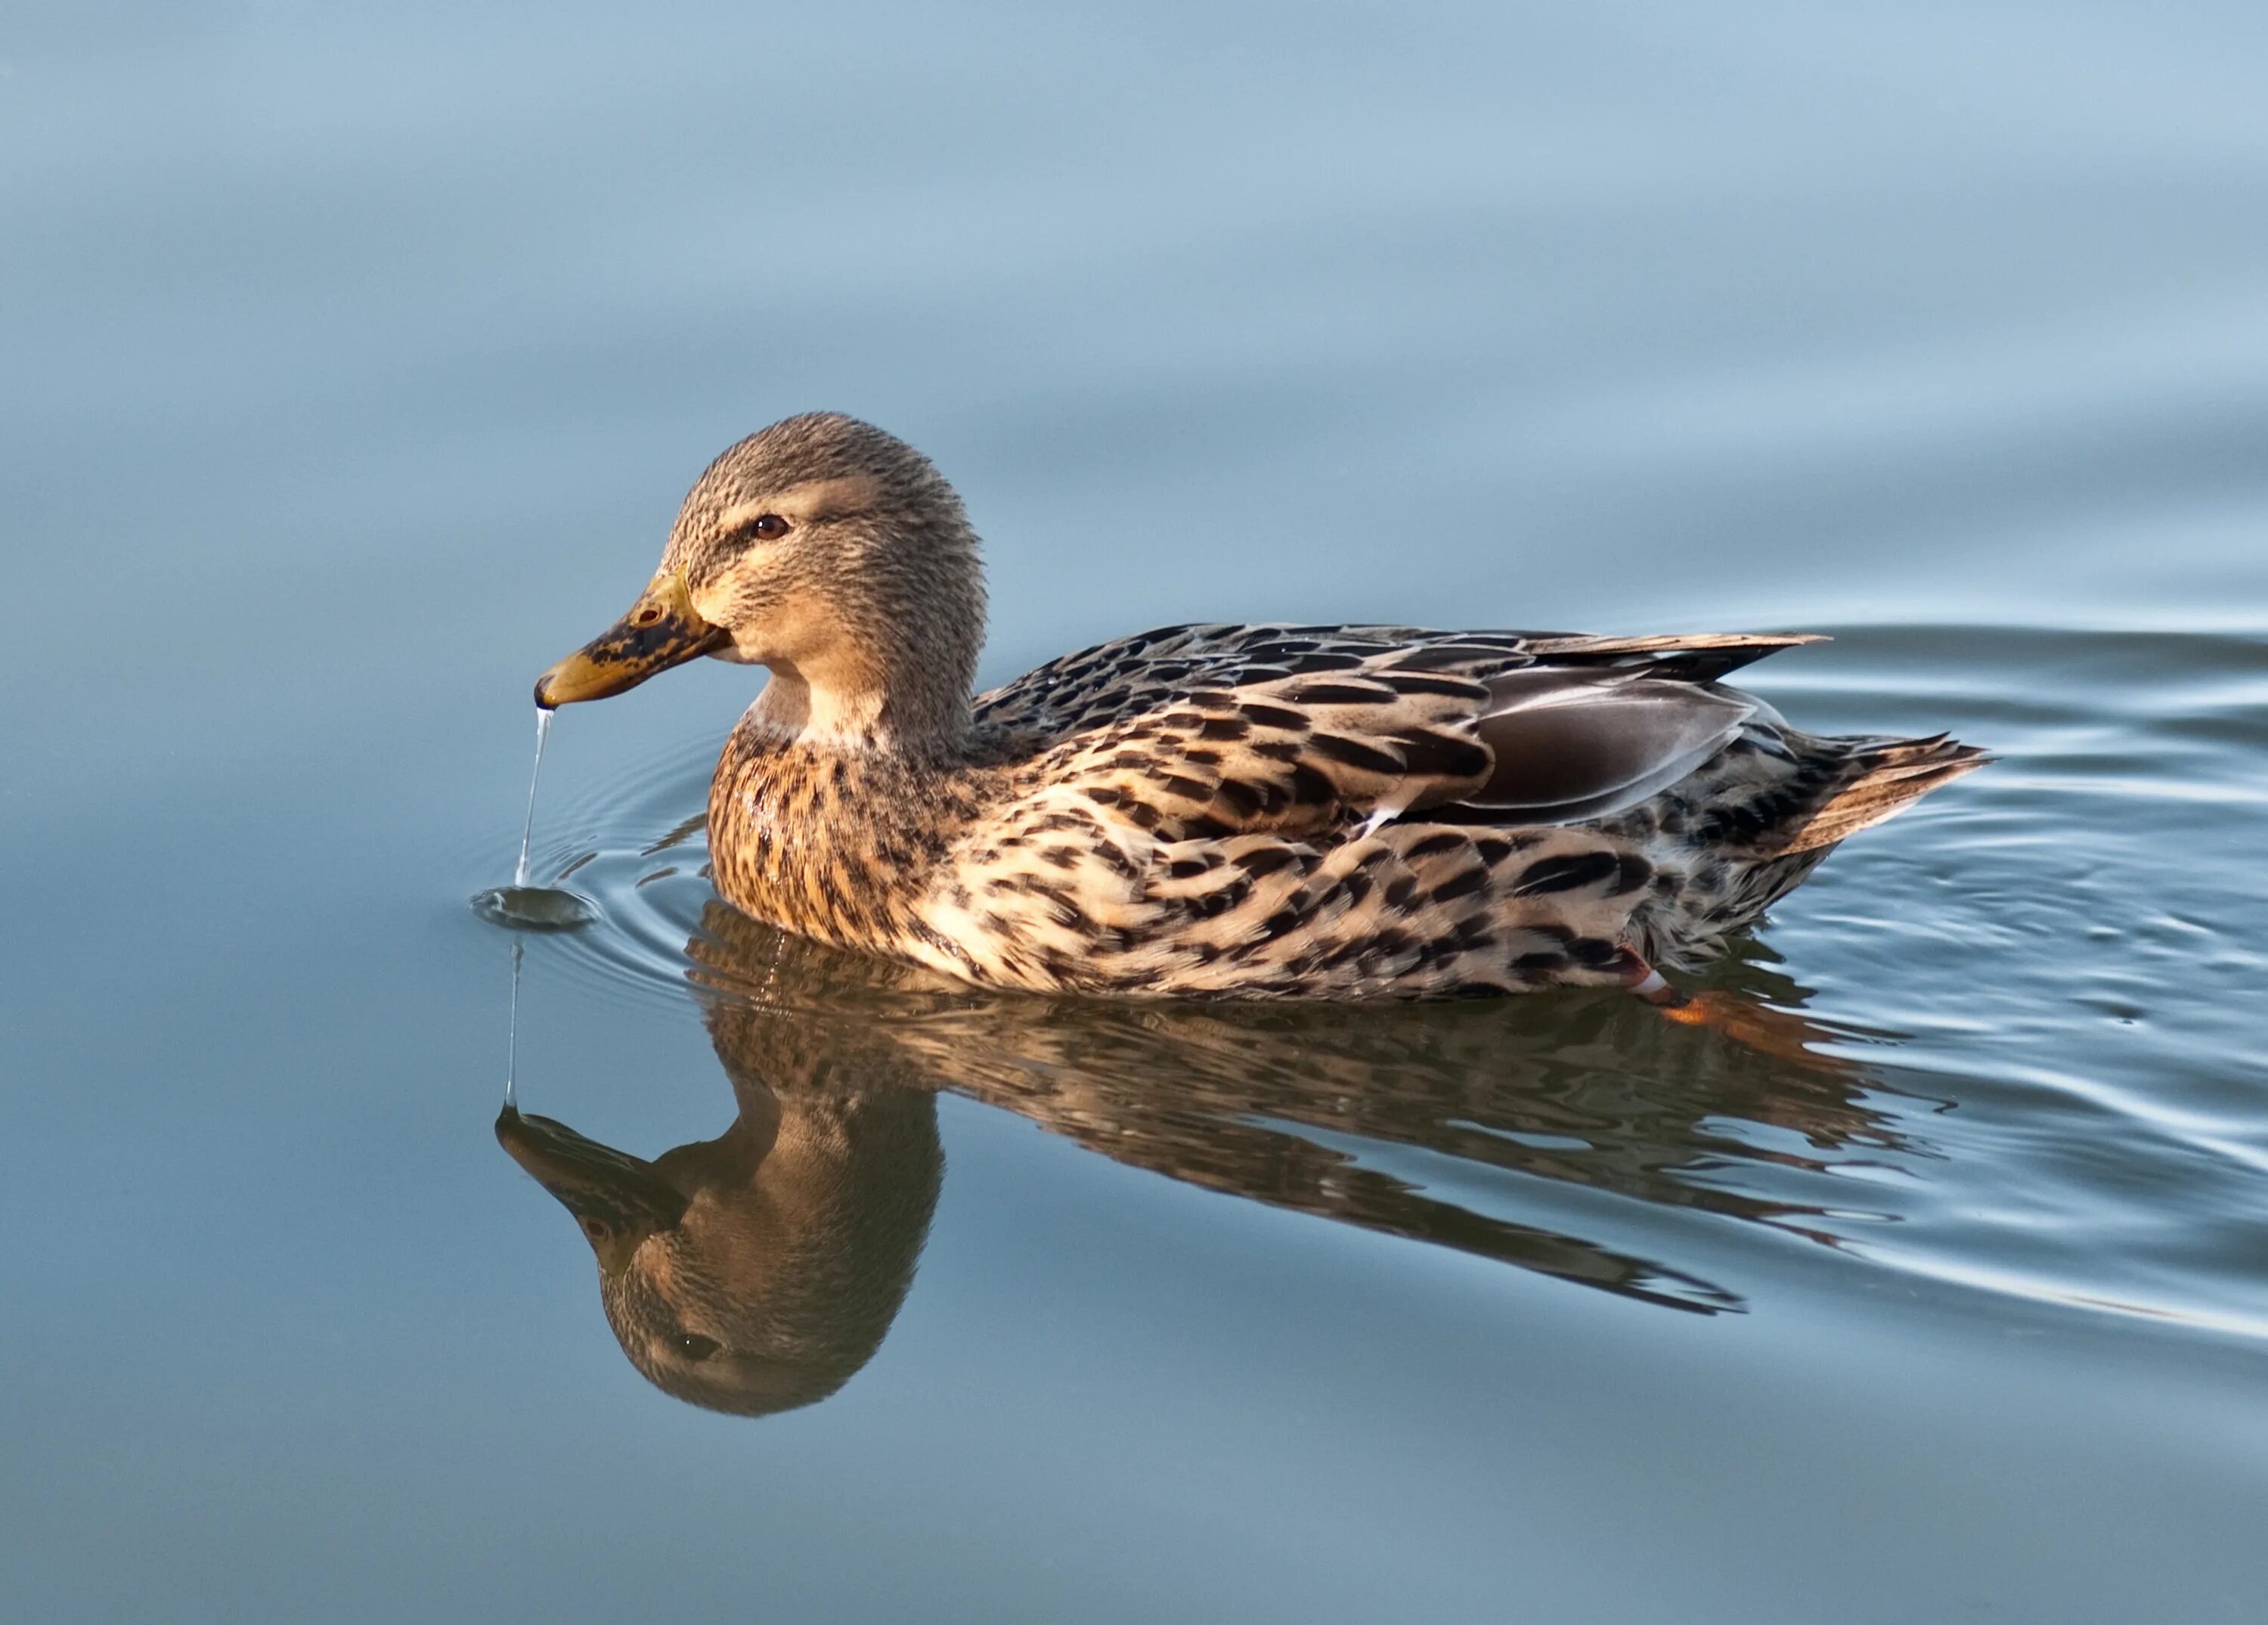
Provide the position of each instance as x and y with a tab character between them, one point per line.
361	358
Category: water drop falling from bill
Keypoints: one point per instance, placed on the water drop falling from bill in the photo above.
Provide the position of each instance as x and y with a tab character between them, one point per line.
543	715
526	907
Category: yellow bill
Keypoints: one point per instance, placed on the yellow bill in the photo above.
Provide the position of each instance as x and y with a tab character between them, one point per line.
661	630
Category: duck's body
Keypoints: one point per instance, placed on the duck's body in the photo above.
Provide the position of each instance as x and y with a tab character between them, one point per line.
1194	811
1217	811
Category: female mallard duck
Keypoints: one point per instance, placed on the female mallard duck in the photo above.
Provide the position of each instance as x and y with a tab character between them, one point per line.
1339	812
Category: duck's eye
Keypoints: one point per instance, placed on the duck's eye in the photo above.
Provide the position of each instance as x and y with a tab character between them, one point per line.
693	1346
769	528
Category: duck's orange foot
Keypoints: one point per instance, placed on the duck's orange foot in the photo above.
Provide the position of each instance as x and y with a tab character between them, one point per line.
1782	1034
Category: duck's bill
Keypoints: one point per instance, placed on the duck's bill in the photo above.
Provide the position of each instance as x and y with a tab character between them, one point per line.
619	1200
661	630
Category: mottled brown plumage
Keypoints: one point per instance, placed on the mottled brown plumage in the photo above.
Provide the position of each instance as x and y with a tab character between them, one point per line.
1210	811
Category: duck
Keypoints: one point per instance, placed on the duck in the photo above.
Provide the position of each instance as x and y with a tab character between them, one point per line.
1213	810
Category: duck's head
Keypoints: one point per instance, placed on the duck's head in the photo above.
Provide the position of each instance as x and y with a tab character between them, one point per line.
828	550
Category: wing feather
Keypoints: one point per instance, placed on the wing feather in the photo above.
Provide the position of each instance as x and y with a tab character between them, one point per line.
1113	682
1209	730
1574	744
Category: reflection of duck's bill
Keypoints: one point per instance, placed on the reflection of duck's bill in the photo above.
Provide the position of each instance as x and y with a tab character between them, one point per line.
661	630
619	1200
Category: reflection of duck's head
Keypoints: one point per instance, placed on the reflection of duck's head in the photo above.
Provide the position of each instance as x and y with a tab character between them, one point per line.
757	1271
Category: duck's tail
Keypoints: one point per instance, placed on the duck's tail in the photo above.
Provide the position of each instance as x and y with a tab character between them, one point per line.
1881	778
1757	842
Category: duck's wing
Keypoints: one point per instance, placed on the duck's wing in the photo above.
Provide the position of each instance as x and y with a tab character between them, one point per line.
1211	731
1115	681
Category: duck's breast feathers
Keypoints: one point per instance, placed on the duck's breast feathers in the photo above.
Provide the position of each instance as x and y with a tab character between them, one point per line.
1208	731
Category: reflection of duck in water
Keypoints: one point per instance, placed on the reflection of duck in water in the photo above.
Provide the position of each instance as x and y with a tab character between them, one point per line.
757	1271
760	1270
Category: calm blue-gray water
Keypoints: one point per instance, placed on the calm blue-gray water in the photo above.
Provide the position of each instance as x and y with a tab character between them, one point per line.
355	361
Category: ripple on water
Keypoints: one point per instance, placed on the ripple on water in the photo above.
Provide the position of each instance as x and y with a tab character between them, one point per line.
2073	941
621	872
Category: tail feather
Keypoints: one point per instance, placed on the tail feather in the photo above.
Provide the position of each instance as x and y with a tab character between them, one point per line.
1889	778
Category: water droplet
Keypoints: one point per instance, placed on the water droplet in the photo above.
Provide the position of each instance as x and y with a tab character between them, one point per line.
543	715
522	906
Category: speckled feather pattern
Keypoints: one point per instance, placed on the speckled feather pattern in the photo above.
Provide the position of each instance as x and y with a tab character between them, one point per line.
1278	812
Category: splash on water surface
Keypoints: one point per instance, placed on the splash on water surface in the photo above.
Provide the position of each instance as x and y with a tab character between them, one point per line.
534	908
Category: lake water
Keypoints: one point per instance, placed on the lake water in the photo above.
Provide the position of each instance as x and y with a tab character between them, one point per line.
357	358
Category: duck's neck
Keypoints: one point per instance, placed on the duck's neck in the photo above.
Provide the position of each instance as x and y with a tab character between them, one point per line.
864	711
828	819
